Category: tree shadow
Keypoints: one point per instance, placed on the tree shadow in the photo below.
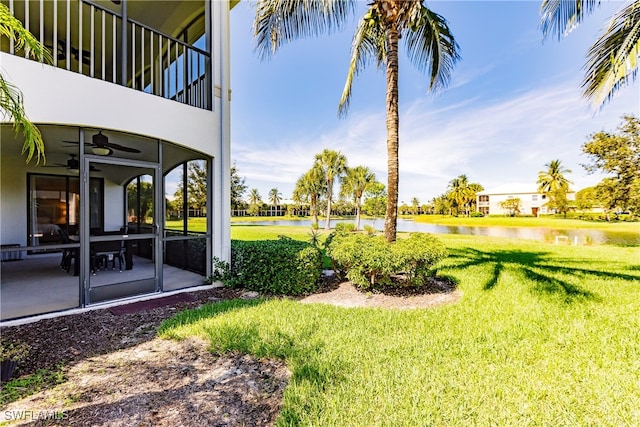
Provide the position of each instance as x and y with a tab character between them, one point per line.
545	271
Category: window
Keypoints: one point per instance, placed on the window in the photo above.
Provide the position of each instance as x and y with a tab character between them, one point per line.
483	198
54	207
534	198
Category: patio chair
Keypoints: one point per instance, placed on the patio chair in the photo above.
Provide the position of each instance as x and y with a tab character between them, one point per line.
104	252
68	255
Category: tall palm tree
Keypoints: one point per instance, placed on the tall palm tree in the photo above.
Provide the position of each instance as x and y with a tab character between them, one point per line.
429	42
354	184
11	99
459	192
415	204
612	61
309	188
254	197
275	197
553	178
333	165
554	185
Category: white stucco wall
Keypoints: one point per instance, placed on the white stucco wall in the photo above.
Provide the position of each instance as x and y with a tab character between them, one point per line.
54	95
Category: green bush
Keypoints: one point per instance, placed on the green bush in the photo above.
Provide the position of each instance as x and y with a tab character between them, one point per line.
418	254
476	215
370	260
345	227
369	229
281	267
365	259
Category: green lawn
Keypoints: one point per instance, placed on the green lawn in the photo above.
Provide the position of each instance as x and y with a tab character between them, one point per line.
545	222
543	335
199	224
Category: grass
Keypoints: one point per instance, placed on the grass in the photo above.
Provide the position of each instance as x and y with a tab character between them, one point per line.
199	224
27	385
543	221
544	335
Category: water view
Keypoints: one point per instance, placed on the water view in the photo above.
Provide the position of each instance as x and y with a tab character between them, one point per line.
574	236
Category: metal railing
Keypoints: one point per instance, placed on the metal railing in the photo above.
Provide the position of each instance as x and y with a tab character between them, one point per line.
87	38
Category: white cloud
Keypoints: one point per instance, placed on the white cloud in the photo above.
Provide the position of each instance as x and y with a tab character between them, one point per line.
505	140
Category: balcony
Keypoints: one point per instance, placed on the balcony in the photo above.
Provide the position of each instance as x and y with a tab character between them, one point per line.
108	40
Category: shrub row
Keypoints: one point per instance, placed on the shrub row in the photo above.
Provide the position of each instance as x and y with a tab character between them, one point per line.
369	260
281	267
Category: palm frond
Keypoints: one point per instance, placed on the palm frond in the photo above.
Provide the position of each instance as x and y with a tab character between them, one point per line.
368	44
560	17
13	29
280	21
613	59
11	104
431	47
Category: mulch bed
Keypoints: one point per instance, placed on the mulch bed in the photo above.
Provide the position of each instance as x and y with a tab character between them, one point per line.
68	339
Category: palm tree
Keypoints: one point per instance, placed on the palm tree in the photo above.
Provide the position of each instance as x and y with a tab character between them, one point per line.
459	192
613	59
474	189
355	183
415	204
429	42
254	197
333	165
275	197
552	183
309	188
11	99
553	178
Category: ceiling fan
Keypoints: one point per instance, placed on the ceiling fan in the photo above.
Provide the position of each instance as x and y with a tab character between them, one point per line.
73	165
101	146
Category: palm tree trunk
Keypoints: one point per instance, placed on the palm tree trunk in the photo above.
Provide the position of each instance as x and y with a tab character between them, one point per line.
327	224
393	124
358	215
314	209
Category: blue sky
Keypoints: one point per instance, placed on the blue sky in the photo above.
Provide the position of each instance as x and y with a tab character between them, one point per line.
514	104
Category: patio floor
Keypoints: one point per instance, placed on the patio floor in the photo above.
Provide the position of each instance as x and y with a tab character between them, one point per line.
36	284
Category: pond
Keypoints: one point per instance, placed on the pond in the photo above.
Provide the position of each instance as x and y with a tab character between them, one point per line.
574	236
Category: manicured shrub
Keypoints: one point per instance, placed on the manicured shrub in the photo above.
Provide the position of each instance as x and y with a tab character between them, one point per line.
418	254
365	259
345	227
369	229
476	215
281	267
368	261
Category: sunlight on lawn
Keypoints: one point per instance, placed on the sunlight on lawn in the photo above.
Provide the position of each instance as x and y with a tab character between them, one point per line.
544	334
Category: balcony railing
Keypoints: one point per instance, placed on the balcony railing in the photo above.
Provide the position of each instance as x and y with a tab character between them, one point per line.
90	39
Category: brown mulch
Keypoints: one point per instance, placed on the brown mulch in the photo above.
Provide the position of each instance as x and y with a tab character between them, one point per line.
139	379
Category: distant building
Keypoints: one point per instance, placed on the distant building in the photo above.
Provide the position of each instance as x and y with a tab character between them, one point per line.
532	202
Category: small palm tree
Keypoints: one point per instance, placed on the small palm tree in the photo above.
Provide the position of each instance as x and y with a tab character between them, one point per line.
11	99
254	197
333	165
553	178
309	188
355	183
613	59
553	184
459	192
275	197
415	204
429	42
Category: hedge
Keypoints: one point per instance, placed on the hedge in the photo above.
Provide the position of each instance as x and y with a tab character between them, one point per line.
280	267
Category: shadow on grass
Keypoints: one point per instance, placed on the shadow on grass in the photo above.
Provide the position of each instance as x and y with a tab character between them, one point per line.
302	349
541	268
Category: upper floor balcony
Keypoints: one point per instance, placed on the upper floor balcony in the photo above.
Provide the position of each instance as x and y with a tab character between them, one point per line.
158	47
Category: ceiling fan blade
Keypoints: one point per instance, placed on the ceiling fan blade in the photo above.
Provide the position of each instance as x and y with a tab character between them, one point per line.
76	142
121	147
